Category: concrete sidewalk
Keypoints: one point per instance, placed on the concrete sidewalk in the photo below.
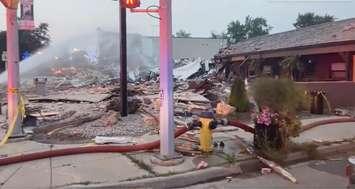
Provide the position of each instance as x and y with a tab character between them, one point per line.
328	133
62	171
87	169
110	168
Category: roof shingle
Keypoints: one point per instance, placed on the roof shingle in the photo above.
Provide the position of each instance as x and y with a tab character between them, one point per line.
331	32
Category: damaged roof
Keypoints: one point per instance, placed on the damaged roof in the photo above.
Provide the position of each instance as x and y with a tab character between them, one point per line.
322	34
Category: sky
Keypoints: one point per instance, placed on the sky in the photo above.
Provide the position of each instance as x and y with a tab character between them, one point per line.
68	18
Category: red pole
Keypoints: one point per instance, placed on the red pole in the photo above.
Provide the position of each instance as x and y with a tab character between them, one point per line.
167	147
13	70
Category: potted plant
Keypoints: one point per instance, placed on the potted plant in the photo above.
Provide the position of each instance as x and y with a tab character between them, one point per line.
279	101
267	131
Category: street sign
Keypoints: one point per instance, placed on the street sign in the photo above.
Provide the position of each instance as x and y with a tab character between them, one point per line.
27	19
4	56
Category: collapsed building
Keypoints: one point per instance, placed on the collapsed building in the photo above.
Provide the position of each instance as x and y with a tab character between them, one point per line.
72	94
143	51
319	57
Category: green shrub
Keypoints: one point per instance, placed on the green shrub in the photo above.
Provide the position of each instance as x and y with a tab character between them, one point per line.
238	97
281	95
284	97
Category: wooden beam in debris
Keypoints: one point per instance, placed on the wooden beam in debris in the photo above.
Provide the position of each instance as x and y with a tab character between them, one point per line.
273	165
278	169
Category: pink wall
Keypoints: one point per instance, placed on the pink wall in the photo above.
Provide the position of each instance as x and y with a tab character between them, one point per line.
323	65
339	93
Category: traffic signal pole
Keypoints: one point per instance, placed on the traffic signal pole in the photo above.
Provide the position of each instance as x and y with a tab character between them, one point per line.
167	127
123	60
13	71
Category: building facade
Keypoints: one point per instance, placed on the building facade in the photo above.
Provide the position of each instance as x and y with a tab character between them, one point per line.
320	57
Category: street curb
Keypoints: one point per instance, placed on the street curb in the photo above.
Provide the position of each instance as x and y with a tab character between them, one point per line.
322	151
216	173
254	165
175	181
326	122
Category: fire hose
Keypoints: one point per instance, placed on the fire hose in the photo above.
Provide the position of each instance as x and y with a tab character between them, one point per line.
85	150
125	149
97	149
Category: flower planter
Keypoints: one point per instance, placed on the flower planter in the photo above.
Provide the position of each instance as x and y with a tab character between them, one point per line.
267	136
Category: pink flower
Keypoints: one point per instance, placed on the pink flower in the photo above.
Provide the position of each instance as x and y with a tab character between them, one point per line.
266	117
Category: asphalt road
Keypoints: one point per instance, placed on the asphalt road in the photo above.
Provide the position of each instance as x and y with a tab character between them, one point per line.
327	174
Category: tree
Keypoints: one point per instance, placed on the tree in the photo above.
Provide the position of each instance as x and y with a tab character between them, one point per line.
215	35
238	97
236	32
182	33
309	19
252	27
30	41
256	26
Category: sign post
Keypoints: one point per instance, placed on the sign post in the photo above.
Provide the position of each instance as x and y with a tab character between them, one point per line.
167	146
27	18
13	68
167	128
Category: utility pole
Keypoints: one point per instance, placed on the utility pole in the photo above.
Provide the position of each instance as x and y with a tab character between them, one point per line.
13	70
123	61
167	127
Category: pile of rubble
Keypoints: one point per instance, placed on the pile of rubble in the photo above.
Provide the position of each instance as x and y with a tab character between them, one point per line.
76	105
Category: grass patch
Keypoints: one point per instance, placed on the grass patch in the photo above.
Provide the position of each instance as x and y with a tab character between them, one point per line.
231	159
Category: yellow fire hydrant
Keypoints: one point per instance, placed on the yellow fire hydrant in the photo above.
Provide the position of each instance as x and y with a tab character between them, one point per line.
206	135
206	123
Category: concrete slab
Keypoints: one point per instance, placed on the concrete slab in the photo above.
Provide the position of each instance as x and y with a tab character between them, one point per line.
22	147
7	172
246	136
189	164
68	170
145	158
28	146
35	174
320	118
95	168
330	133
